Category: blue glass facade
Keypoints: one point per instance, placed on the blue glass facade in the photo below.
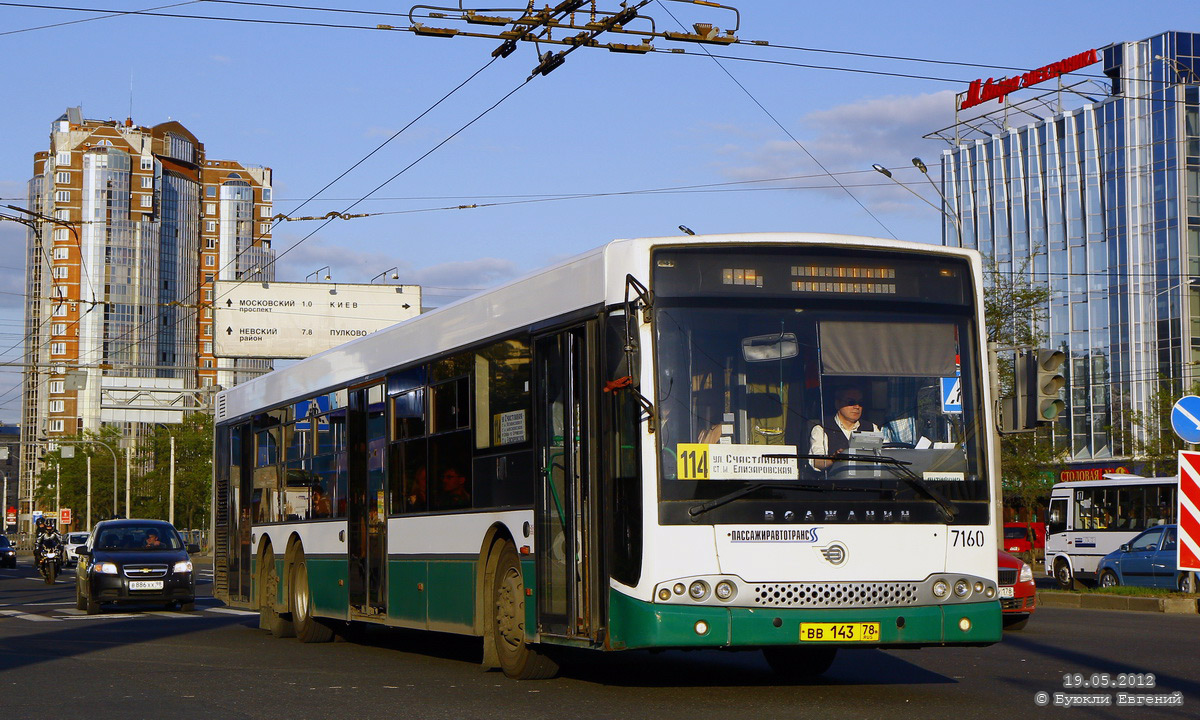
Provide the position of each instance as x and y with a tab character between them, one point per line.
1102	204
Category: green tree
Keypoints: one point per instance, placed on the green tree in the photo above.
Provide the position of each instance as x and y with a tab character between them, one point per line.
1015	311
1151	438
68	475
193	471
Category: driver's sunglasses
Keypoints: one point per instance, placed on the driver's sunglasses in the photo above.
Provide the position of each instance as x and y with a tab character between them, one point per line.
848	402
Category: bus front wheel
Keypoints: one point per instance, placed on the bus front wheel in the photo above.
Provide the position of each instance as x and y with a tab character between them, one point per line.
799	663
518	660
1062	573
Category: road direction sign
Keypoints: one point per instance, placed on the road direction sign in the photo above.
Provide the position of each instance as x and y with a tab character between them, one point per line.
952	395
1189	511
1185	419
296	320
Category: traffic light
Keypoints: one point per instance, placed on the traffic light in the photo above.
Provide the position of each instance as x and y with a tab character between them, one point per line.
1047	379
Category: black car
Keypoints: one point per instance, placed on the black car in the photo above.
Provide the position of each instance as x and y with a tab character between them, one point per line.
135	561
8	553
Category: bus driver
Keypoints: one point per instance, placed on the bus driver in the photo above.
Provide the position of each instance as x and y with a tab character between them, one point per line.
834	436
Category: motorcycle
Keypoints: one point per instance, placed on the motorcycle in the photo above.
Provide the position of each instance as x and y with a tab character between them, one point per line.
51	560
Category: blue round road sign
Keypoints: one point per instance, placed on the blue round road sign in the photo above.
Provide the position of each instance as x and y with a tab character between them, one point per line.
1185	419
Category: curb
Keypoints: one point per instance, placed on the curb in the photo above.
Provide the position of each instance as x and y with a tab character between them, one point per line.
1174	606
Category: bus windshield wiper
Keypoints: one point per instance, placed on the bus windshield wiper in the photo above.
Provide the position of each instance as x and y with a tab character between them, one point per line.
697	510
912	479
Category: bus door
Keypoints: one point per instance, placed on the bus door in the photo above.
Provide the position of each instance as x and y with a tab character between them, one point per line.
366	510
566	558
235	484
245	485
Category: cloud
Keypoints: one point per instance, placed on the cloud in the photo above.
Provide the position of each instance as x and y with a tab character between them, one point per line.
444	280
853	137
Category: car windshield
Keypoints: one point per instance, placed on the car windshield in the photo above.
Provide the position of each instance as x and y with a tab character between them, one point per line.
1014	533
77	538
138	537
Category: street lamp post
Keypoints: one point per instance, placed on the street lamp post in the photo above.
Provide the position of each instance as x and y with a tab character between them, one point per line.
114	457
944	210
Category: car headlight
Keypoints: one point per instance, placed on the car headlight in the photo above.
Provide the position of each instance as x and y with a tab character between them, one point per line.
183	566
105	568
1026	574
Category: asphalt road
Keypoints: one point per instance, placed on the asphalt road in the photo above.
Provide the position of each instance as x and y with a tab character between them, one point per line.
215	663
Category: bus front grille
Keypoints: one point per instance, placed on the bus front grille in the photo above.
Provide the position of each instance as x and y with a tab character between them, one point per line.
852	594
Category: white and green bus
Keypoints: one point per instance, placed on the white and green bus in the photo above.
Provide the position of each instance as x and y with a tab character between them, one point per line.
617	452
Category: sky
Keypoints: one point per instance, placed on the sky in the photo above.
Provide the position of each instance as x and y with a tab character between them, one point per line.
645	143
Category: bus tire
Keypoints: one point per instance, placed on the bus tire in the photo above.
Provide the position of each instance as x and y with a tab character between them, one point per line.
517	659
1062	573
308	628
799	663
268	617
1109	579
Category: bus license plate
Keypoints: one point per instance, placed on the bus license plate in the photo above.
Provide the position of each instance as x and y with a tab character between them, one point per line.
145	584
839	632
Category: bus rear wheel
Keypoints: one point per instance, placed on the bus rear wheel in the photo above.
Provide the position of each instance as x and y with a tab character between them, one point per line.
308	628
518	660
799	663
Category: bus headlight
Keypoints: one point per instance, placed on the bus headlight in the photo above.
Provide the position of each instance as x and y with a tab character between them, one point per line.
940	589
698	590
962	588
664	594
725	590
679	588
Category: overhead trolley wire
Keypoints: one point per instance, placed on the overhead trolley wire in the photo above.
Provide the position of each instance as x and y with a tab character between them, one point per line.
785	130
113	14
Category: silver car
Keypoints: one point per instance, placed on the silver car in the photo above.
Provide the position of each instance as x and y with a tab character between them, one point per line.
71	543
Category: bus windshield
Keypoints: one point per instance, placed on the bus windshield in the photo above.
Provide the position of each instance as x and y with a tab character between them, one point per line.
768	381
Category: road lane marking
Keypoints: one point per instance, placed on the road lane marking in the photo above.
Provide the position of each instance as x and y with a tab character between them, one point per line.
27	616
231	611
97	617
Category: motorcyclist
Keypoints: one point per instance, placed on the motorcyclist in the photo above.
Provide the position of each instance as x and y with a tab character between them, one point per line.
48	537
37	540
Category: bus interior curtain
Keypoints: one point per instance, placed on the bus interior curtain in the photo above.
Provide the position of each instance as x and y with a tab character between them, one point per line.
888	349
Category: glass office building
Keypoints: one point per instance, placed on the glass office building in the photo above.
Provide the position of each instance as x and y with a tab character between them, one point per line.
1102	202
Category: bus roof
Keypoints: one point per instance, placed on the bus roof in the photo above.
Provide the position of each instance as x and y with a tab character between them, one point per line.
1115	479
591	279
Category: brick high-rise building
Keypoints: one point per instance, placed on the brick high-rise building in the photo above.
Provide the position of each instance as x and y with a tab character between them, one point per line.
136	225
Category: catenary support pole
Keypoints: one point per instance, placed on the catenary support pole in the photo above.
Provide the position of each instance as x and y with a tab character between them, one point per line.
171	512
128	453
